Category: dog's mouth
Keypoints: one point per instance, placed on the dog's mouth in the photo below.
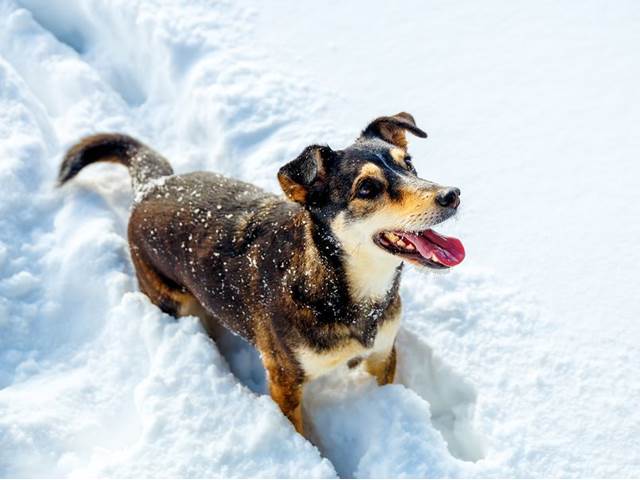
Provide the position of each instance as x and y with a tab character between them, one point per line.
426	248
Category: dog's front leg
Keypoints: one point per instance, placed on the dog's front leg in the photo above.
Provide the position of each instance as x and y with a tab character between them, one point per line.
287	393
382	365
285	380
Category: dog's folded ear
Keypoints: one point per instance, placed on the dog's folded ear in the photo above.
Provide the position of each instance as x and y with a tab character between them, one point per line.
299	176
392	129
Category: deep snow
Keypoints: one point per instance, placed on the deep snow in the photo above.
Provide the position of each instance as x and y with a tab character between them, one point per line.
521	362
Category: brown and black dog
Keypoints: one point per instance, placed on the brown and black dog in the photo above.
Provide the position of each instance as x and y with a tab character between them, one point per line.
312	280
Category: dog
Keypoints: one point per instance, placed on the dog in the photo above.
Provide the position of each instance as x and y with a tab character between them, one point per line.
310	279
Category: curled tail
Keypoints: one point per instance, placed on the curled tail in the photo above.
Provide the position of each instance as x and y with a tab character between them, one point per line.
143	163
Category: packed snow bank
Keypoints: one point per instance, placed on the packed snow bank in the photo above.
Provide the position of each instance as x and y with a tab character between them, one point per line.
96	381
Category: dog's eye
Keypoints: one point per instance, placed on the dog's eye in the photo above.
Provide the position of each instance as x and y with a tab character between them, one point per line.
409	163
369	189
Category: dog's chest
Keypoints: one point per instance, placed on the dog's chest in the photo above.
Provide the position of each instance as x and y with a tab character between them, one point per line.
315	364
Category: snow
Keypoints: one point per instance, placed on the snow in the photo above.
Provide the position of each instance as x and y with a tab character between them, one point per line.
521	362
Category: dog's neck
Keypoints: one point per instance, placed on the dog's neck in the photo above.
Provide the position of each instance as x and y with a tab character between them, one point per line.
369	273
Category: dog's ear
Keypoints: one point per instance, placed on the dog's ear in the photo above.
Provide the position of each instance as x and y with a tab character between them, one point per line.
298	176
392	129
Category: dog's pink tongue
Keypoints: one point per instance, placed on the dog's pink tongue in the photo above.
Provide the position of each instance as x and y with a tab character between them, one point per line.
445	250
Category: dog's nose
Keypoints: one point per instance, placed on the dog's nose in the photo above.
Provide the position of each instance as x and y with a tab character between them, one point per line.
449	197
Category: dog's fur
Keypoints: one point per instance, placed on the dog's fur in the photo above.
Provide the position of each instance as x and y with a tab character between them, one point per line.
300	278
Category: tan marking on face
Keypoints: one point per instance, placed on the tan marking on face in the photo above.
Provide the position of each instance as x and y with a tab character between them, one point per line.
414	199
316	364
371	170
398	155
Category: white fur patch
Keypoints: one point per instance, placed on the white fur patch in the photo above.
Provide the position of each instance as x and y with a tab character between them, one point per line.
370	270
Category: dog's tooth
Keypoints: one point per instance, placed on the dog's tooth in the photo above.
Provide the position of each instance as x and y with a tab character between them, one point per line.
392	236
401	243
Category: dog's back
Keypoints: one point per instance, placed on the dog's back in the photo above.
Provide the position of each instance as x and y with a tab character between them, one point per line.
201	242
222	240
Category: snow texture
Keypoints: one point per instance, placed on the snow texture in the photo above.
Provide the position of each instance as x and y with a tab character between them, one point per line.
521	362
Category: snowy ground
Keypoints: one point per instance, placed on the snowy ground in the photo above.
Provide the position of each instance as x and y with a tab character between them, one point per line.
522	362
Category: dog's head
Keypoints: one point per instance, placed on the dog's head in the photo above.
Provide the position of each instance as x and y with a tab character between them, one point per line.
370	197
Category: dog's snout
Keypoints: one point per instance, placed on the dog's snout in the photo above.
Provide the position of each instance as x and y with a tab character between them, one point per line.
448	197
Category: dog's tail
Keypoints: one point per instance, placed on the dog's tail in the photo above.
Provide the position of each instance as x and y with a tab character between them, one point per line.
143	163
